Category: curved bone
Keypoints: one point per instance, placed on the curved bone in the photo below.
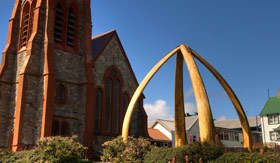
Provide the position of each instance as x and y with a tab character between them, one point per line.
239	109
179	111
206	125
139	90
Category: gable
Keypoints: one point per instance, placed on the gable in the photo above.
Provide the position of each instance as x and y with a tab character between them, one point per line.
109	42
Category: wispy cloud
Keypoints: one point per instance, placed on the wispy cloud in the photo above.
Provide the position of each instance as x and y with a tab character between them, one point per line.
158	110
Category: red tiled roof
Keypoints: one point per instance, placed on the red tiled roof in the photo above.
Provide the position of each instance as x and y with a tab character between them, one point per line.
157	135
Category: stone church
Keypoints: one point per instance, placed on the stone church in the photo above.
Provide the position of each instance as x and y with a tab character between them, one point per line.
55	79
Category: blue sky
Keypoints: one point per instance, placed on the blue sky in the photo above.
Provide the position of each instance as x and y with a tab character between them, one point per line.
240	38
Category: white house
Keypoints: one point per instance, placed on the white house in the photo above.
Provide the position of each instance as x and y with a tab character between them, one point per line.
270	121
167	127
229	131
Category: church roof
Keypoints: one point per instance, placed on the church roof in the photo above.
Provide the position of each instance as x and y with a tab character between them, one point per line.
272	106
100	42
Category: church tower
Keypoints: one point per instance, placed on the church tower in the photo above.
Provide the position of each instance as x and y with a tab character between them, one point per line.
46	81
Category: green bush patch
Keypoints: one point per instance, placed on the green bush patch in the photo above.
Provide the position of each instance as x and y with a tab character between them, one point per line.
51	149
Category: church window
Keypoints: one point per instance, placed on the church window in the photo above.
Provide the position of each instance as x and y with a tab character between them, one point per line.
108	105
58	27
55	128
112	109
64	129
71	27
61	93
116	106
24	24
125	105
60	128
98	108
31	17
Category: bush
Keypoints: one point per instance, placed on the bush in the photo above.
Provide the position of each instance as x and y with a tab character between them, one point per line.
132	151
245	157
51	149
194	151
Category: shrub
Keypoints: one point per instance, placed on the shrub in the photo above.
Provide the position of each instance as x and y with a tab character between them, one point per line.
132	151
245	157
51	149
59	149
194	151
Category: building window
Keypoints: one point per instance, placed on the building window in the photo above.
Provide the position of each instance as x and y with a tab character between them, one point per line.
226	136
116	106
221	136
71	27
273	119
236	137
108	105
58	27
125	105
60	128
61	94
274	136
112	111
194	138
31	17
55	128
24	27
98	108
134	126
231	136
64	131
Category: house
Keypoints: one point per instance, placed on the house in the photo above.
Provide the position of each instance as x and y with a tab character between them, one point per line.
270	121
228	131
55	79
158	138
167	127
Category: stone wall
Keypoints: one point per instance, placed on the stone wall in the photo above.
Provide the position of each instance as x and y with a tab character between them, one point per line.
70	71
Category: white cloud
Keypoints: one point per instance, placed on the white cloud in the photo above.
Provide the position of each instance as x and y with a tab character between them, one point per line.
190	107
158	110
222	118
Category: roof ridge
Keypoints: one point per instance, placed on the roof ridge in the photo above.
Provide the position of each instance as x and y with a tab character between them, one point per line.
103	34
166	120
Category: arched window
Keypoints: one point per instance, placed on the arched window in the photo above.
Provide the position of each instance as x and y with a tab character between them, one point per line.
34	2
55	128
71	27
24	27
112	110
61	94
116	106
58	27
108	105
98	108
